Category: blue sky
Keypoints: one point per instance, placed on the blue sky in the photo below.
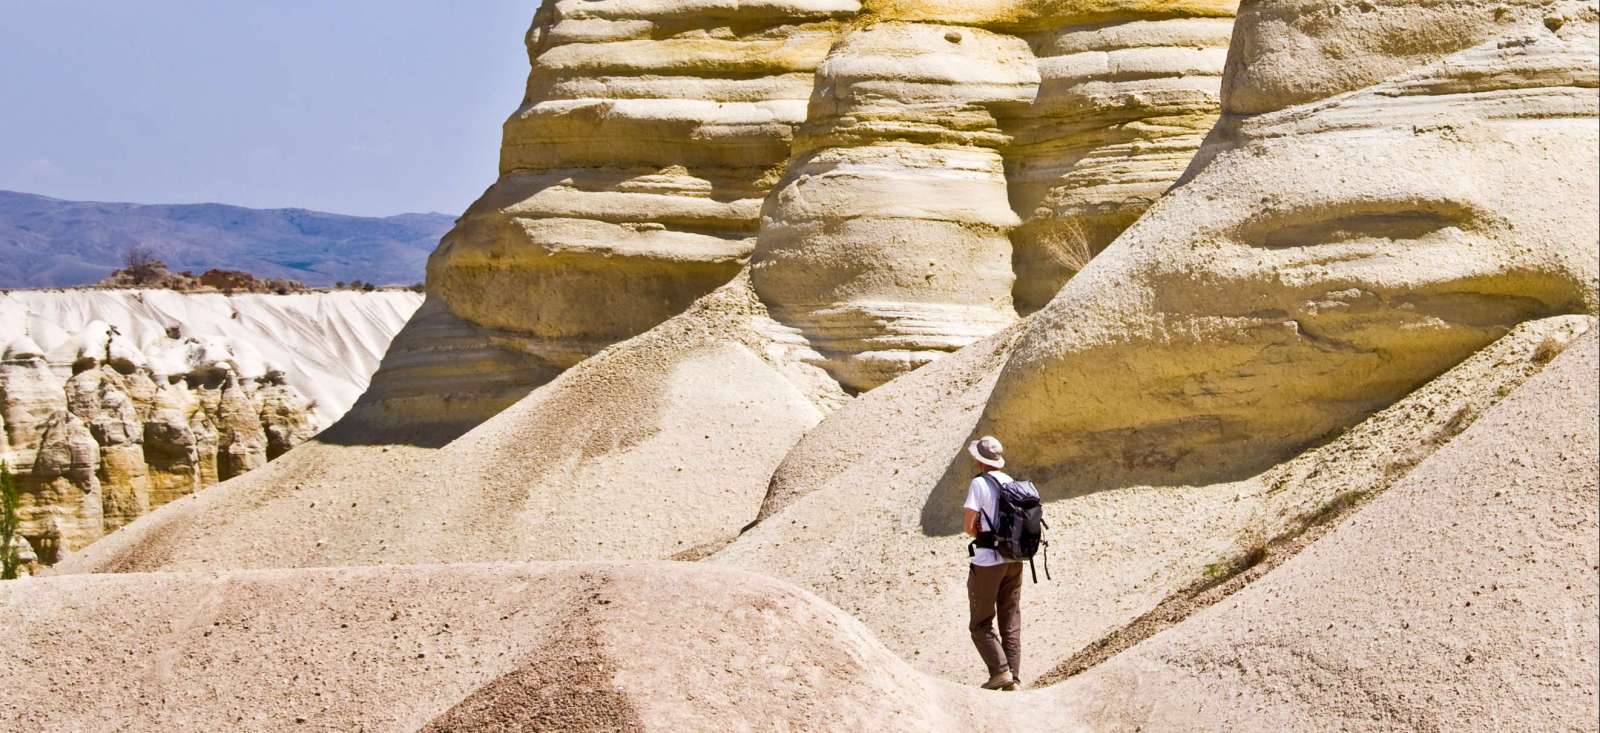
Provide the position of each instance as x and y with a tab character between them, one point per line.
370	107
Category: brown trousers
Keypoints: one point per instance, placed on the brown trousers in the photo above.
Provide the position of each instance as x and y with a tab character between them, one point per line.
996	590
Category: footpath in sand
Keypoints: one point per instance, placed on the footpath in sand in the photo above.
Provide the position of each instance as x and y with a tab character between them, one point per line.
1460	598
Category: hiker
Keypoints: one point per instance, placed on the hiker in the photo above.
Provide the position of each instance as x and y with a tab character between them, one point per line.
1006	520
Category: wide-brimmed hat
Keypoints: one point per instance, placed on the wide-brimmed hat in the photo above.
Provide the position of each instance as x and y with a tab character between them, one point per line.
988	451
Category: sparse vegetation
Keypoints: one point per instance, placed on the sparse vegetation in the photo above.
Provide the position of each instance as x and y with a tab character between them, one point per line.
143	269
142	266
10	560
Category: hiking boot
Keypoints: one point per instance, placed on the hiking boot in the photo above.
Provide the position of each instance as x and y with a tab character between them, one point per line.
1002	681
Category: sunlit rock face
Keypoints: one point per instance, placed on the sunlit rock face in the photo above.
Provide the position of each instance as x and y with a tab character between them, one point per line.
1128	89
1122	107
100	431
886	244
903	177
100	396
1350	230
632	176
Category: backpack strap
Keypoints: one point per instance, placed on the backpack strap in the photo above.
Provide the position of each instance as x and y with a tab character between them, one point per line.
993	525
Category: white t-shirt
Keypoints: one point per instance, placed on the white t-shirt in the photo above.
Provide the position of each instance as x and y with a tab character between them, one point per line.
981	499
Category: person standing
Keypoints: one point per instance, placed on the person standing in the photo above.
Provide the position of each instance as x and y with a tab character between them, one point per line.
994	584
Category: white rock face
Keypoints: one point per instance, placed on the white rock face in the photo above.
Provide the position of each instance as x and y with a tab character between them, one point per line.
117	402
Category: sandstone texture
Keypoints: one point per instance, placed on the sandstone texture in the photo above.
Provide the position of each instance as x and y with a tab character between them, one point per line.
1122	107
1316	433
1115	555
874	172
1323	260
886	243
1438	606
658	447
117	402
633	172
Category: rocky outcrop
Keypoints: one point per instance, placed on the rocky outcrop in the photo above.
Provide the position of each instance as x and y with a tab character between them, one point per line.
99	396
121	438
886	243
1122	108
109	421
632	174
61	507
286	416
898	156
1299	281
1332	358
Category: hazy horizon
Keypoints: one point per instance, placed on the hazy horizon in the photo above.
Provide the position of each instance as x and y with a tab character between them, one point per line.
361	107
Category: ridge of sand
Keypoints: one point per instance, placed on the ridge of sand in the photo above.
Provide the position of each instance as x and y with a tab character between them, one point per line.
657	446
878	531
468	647
1462	598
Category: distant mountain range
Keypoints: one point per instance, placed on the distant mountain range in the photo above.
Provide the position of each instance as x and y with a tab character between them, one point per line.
46	242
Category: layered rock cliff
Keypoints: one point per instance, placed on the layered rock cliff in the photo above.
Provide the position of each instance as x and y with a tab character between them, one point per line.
903	185
1353	348
105	420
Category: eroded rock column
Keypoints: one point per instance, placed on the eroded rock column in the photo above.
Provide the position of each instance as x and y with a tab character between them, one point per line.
886	243
632	176
1122	108
99	396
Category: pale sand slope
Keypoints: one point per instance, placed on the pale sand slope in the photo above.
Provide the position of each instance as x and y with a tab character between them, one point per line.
1368	629
866	509
1464	598
535	647
658	446
328	344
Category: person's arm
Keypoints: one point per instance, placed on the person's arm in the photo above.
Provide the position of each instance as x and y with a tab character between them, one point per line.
971	525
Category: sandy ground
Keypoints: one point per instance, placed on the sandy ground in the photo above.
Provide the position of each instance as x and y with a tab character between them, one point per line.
861	511
658	447
1463	598
510	647
865	510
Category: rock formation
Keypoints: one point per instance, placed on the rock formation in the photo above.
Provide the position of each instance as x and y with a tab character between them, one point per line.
1444	601
1122	107
1353	350
1349	233
632	175
111	421
899	157
886	242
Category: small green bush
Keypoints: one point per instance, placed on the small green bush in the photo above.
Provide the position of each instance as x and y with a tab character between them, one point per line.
10	562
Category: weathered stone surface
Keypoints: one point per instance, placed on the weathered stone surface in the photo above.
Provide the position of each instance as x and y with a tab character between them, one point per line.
171	448
30	393
1121	110
61	507
99	396
171	403
1328	257
886	242
286	416
632	174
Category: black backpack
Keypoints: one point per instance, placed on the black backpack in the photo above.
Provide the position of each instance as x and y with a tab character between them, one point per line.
1018	525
